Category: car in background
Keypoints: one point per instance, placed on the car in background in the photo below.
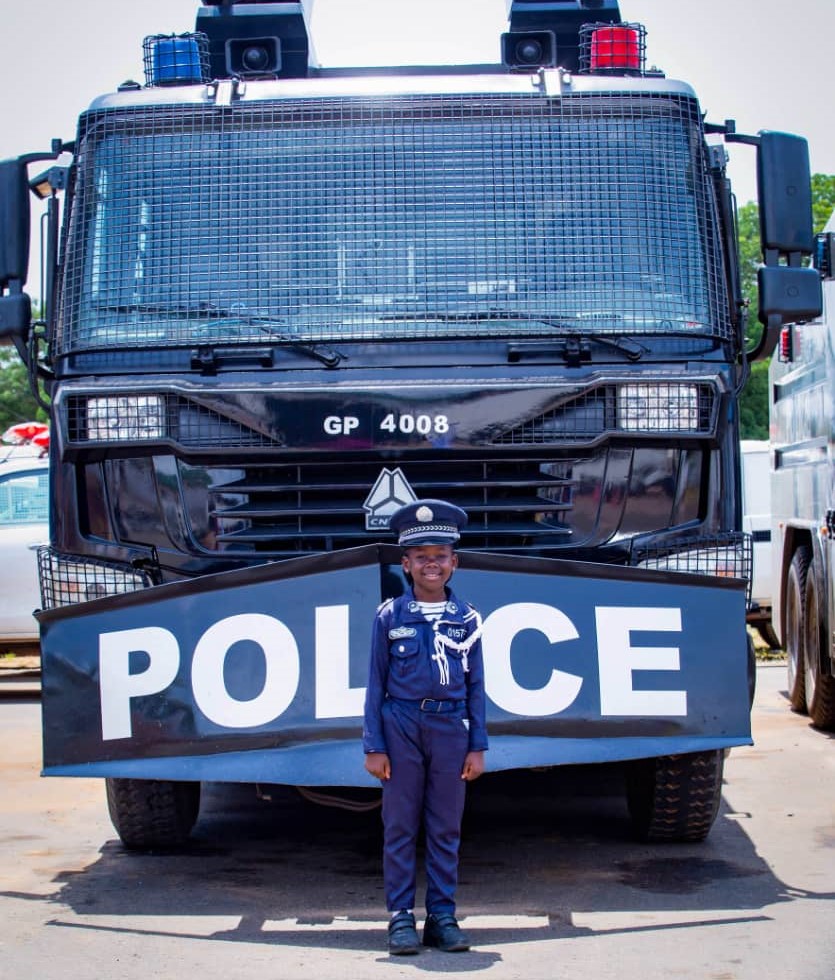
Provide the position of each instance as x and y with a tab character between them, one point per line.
24	526
756	510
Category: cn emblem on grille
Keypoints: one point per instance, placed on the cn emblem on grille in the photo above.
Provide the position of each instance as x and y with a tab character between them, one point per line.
390	492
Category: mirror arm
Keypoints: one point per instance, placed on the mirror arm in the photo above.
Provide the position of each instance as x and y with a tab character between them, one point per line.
768	339
35	369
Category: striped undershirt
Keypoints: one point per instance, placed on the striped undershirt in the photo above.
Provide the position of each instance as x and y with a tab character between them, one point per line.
432	610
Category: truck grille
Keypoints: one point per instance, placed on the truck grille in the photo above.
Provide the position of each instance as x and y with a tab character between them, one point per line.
513	504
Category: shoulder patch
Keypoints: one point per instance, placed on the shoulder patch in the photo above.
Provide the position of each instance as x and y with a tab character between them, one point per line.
383	604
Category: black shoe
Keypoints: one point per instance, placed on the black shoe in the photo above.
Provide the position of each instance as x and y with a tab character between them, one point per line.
442	931
403	937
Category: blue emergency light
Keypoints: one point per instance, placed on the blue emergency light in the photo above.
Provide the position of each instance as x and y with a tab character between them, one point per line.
176	59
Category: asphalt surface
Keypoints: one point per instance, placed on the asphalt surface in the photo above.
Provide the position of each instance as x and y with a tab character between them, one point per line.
551	883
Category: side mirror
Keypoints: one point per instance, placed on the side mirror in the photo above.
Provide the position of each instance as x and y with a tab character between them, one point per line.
15	306
788	295
14	222
789	291
785	192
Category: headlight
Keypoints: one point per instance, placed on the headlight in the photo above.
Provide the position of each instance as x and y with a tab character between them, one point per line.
658	408
125	418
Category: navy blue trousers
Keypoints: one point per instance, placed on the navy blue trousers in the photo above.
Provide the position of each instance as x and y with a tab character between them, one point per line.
427	753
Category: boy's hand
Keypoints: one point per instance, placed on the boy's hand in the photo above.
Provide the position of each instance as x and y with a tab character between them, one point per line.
473	766
378	764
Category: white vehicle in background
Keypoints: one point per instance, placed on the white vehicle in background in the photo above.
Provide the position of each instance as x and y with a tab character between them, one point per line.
802	416
756	516
24	526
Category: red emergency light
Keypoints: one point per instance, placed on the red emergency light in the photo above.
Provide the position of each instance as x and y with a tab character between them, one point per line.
615	47
612	49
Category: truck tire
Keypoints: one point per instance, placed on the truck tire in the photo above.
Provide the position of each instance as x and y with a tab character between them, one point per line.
819	688
675	797
768	635
152	814
796	626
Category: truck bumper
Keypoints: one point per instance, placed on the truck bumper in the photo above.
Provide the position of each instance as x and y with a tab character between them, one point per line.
258	675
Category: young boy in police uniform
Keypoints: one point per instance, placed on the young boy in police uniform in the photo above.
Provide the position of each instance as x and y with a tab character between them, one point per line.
424	734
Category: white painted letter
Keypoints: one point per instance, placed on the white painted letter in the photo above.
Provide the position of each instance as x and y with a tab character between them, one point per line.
500	628
282	678
117	685
617	659
335	698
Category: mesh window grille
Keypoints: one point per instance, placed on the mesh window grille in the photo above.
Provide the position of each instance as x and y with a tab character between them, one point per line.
430	216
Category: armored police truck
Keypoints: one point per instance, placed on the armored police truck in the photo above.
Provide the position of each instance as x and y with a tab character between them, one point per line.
802	406
282	300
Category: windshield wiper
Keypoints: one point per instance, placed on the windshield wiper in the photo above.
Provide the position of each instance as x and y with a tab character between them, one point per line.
573	345
575	348
319	352
219	317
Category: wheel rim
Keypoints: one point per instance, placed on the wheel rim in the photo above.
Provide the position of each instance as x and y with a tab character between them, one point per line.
811	641
793	639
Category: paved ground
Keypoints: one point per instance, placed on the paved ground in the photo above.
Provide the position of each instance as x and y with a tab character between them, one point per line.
551	884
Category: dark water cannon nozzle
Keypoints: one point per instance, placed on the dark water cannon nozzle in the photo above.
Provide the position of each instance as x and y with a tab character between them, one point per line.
256	38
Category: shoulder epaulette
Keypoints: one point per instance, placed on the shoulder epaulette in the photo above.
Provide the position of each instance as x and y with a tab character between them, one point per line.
471	612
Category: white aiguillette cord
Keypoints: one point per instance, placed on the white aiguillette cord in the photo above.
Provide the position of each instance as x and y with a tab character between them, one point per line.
443	642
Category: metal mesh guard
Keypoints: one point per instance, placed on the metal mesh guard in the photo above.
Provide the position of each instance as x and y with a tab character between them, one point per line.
618	45
176	59
440	216
69	579
728	555
130	417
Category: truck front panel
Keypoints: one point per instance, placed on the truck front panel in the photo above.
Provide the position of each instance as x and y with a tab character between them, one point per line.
260	674
286	308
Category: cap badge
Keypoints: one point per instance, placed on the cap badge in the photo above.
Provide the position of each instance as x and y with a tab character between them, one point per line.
424	514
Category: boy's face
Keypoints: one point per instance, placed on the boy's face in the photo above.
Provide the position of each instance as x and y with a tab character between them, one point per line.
430	566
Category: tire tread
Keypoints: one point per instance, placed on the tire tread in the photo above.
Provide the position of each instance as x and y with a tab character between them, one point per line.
152	813
798	571
676	797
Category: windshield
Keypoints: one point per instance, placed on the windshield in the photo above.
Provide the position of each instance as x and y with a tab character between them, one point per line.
314	220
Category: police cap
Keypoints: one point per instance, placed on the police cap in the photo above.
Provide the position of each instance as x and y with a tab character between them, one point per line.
427	522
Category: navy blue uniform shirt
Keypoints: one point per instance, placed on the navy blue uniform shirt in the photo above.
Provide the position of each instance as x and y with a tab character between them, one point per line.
402	665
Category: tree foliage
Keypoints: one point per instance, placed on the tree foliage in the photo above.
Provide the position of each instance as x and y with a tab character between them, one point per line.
753	407
823	199
17	403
